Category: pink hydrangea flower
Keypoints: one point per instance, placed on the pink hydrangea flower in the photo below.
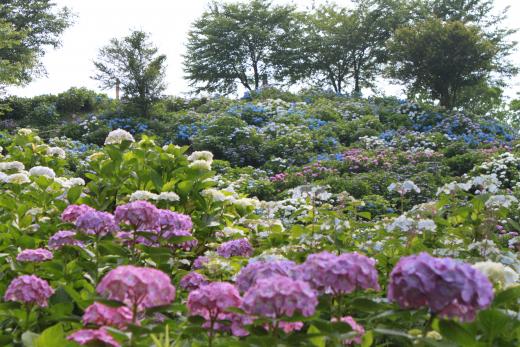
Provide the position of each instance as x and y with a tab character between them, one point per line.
248	275
239	248
200	261
343	274
193	281
86	337
448	287
34	255
355	327
278	296
170	222
73	212
142	215
29	289
96	223
140	287
63	238
102	315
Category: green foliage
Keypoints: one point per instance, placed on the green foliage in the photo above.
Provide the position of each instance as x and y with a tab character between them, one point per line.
133	62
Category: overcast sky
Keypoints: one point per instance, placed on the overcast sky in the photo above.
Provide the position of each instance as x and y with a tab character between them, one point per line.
168	21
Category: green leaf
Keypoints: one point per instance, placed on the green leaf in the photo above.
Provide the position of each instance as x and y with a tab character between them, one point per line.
455	332
368	339
29	339
52	336
74	193
508	296
318	341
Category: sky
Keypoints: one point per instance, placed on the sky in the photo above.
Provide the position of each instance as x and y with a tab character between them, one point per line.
168	22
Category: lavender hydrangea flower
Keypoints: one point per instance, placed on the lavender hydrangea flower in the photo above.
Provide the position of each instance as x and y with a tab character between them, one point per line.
103	315
200	261
137	286
343	274
63	238
29	289
34	255
193	281
448	287
73	212
248	275
239	247
170	222
355	327
96	223
142	215
88	337
278	296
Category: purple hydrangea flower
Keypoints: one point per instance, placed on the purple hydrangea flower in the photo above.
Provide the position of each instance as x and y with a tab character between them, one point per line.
142	215
34	255
248	275
103	315
355	327
96	223
29	289
278	296
63	238
448	287
343	274
193	281
88	337
73	212
137	286
200	261
239	247
171	222
186	245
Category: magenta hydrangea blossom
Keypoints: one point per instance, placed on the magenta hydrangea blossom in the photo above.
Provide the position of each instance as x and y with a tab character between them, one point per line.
278	296
193	281
239	248
97	223
34	255
29	289
89	337
140	287
248	275
448	287
63	238
212	300
73	212
343	274
200	261
170	222
355	327
102	315
142	215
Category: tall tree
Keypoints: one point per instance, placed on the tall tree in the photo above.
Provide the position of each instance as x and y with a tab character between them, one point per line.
442	58
133	62
34	26
237	43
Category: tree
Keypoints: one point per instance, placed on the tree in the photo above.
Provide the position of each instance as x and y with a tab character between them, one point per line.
134	63
346	45
443	58
28	28
237	43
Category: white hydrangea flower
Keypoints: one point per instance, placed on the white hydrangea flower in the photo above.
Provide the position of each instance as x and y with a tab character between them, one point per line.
56	151
42	171
245	202
404	187
25	132
143	195
213	194
117	136
201	155
201	165
11	166
498	273
69	183
497	201
168	196
402	223
17	178
3	176
426	224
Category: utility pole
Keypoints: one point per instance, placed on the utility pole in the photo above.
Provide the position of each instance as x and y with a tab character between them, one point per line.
117	88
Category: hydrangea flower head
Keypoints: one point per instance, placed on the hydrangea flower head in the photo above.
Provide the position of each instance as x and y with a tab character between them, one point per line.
137	286
142	215
448	287
193	281
72	212
63	238
88	337
97	223
34	255
278	296
212	300
29	289
117	136
248	275
42	171
102	315
239	247
355	327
